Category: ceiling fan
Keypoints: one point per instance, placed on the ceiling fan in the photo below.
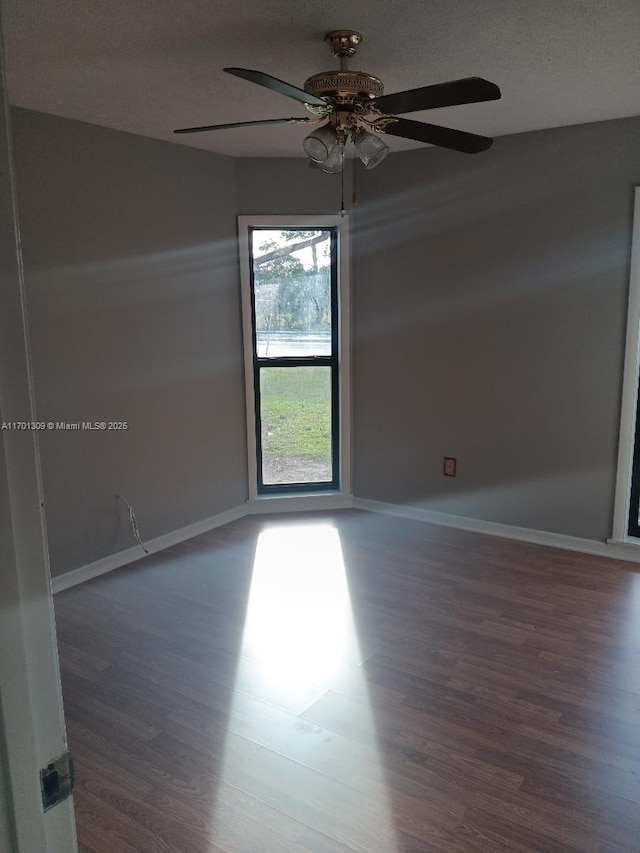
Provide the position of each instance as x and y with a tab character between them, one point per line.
352	106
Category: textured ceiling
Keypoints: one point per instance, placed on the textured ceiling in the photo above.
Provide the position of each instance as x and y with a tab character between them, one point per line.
148	66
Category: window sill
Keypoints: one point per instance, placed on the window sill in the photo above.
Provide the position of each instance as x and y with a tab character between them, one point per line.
299	502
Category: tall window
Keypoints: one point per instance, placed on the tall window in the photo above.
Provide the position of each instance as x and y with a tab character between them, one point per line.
626	517
292	348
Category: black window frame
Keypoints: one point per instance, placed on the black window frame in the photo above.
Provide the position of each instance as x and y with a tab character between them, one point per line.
331	361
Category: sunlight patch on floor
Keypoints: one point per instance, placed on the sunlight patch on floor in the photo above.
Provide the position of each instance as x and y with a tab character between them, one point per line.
299	643
626	661
299	618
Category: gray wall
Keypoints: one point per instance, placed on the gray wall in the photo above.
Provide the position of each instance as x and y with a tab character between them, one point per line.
133	297
489	317
280	186
489	308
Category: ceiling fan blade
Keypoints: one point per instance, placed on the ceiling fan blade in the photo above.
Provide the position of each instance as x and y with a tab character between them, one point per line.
277	86
433	134
244	124
469	90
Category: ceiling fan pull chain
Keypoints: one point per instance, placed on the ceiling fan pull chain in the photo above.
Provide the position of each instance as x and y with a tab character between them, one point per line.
342	192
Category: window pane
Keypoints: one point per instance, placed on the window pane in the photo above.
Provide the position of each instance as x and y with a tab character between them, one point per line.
292	287
296	424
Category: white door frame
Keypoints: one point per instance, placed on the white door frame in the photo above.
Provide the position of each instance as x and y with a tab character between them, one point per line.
32	730
629	391
341	223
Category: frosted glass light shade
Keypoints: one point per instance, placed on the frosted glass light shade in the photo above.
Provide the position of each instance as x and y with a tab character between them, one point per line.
319	143
370	149
334	162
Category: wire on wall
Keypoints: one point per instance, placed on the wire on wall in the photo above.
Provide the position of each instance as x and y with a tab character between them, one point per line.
133	521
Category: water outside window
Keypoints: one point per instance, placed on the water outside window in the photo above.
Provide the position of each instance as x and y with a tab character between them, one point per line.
292	293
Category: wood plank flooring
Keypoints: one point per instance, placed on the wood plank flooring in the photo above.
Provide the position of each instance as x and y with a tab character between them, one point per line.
355	683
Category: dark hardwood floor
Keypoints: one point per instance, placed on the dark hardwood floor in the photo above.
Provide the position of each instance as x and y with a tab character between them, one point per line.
355	683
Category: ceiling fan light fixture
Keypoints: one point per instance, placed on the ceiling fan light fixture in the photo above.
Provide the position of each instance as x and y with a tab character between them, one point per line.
320	143
370	149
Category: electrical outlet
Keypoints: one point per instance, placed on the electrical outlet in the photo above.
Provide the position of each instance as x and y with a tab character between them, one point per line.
449	469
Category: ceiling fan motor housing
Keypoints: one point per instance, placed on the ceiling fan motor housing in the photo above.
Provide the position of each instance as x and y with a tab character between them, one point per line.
344	87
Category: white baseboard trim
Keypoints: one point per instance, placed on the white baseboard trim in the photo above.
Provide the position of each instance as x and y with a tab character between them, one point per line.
299	503
130	555
627	551
274	504
612	550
